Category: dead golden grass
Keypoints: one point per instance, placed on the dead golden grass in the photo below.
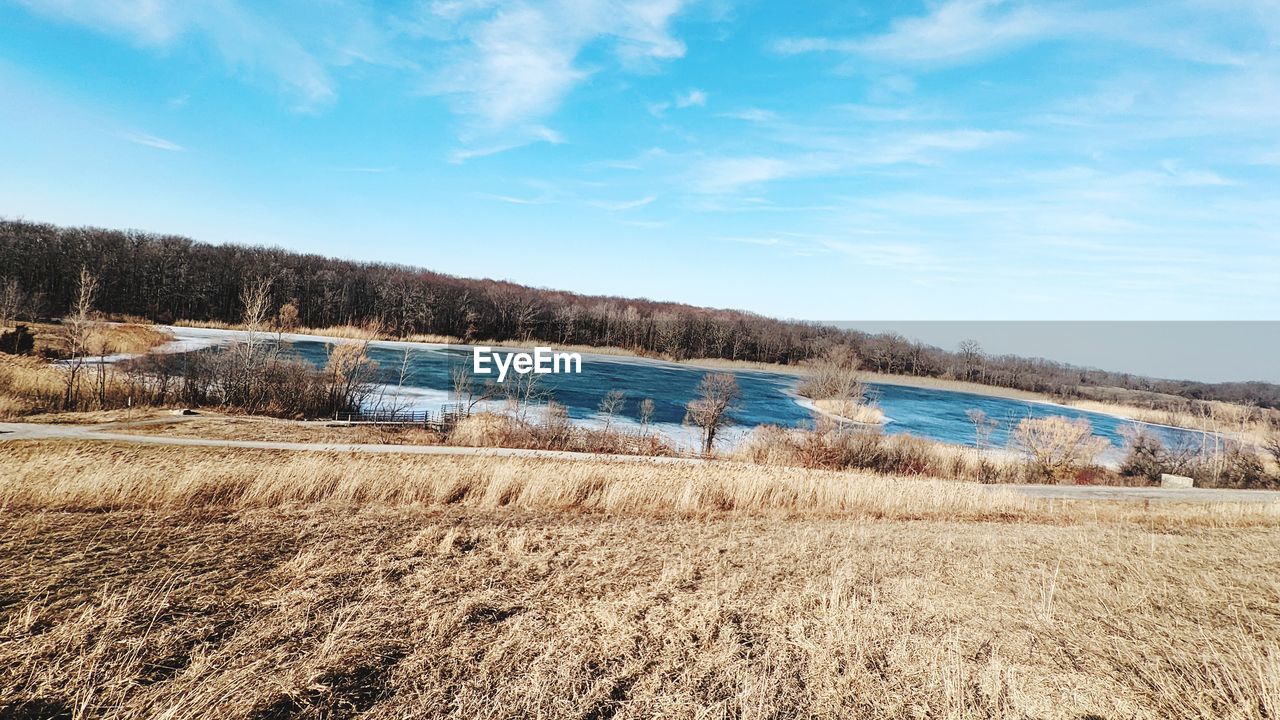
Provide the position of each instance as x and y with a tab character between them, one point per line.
29	384
102	476
851	410
1247	423
128	338
252	427
106	338
13	407
211	584
955	386
26	384
118	416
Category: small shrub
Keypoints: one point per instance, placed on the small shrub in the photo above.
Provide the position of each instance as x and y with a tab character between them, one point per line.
1242	468
555	432
1057	447
18	341
834	375
830	447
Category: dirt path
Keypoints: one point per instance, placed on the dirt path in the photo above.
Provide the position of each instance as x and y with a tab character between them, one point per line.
102	432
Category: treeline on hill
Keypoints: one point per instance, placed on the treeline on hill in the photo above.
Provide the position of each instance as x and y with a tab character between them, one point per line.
167	278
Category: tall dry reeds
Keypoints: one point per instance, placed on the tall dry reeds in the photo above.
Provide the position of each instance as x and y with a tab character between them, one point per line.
835	384
831	446
553	432
94	476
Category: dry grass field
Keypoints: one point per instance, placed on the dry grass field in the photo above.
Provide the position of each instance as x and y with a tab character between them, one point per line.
104	338
252	427
27	382
188	583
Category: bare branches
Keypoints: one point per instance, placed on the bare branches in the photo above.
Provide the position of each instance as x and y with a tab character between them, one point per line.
983	427
971	357
464	388
287	316
1058	447
718	393
610	405
11	302
256	299
646	415
523	391
834	376
76	333
195	281
351	371
835	384
1272	446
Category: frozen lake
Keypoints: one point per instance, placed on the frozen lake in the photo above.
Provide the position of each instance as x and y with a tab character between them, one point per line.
767	397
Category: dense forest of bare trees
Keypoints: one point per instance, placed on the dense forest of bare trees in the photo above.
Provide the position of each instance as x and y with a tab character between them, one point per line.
166	278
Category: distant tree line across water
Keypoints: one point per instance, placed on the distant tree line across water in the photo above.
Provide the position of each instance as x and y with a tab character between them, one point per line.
165	278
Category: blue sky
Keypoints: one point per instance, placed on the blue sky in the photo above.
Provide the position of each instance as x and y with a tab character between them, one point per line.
852	161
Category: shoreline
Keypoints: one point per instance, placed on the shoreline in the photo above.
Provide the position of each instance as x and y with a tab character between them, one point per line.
622	355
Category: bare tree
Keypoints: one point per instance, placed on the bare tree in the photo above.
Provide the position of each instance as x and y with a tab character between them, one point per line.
246	365
983	427
646	415
835	384
464	388
610	405
971	358
557	425
1272	446
287	316
834	375
76	333
11	302
397	403
256	299
1057	446
718	393
523	391
350	371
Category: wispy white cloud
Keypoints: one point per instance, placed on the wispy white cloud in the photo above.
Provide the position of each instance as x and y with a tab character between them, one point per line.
956	30
1179	175
646	224
900	255
881	113
959	31
757	115
152	141
730	174
512	64
620	205
513	200
504	68
692	98
757	241
537	133
246	41
810	153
